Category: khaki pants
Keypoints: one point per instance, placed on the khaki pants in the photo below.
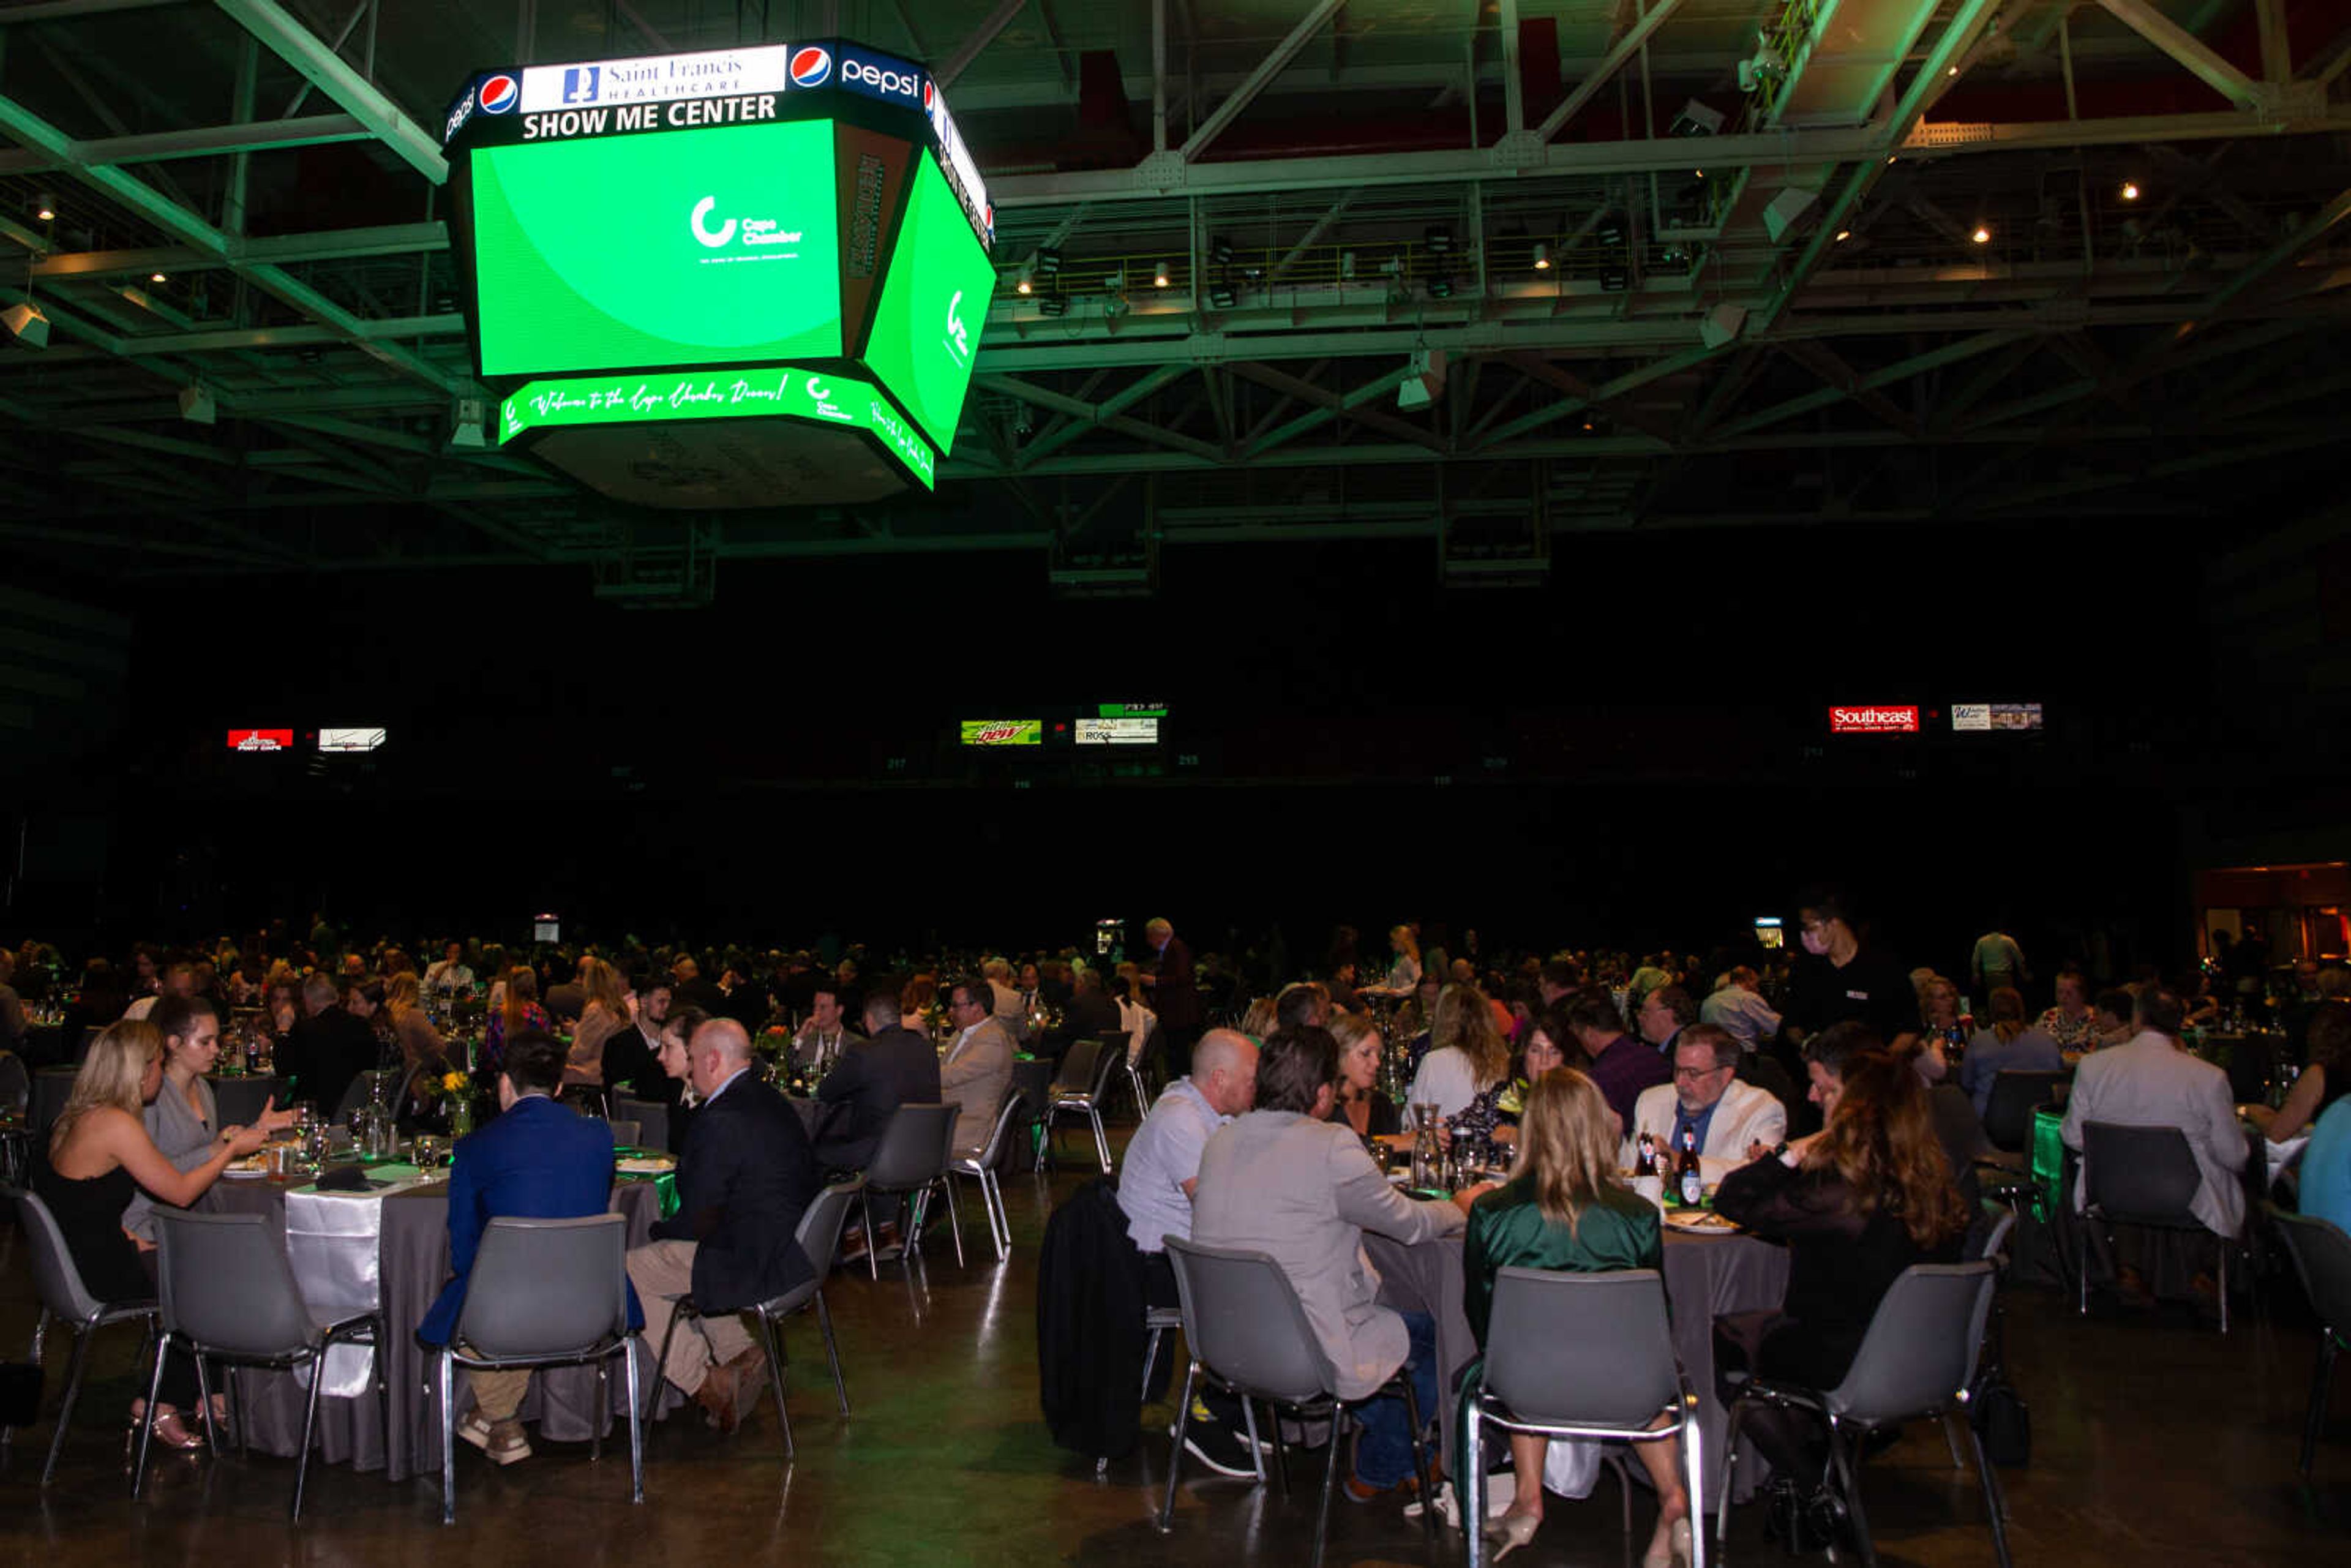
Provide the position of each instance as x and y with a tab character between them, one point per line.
498	1395
662	1272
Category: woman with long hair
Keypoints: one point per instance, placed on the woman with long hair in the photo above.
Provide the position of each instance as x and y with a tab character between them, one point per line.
518	1011
605	1015
915	1003
1563	1209
2325	1076
1857	1202
1468	1063
1361	1104
421	1105
1404	974
2010	1045
100	1158
181	1120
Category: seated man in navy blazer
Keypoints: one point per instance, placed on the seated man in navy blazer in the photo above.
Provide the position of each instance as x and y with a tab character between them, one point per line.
742	1185
892	1066
537	1160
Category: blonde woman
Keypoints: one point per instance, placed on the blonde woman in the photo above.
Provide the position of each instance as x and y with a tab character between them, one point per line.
1562	1210
100	1158
1405	973
1468	1065
1259	1021
606	1014
1362	1107
421	1106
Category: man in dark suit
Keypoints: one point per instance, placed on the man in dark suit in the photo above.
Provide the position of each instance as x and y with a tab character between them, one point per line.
537	1161
893	1067
1173	997
1088	1015
329	1047
632	1052
688	987
745	1178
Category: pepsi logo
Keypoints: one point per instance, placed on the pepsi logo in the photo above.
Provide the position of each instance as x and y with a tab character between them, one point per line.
882	80
500	94
930	95
810	67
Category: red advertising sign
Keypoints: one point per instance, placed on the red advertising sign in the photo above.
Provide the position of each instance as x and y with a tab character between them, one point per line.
1874	720
261	740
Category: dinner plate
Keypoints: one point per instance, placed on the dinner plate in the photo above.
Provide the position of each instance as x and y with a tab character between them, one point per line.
645	1164
238	1172
1698	1219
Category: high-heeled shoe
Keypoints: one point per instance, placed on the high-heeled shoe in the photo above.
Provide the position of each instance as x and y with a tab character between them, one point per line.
1675	1552
1510	1531
169	1431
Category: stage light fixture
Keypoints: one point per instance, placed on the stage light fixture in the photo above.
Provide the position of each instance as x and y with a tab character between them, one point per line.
1159	275
26	325
1543	256
1722	324
45	207
1221	249
1440	288
157	277
1346	263
468	417
2130	191
196	406
1052	305
1982	234
1843	236
1439	241
1791	209
1615	280
1025	282
1696	120
1223	296
1048	262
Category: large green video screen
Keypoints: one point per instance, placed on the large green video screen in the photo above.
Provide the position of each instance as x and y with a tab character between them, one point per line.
934	307
716	246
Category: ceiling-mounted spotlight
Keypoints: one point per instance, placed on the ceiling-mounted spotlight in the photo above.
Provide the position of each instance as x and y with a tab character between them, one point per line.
1346	263
1543	256
2130	191
157	277
468	417
1696	120
45	207
1843	236
1159	275
1722	324
1025	281
1440	287
1440	241
1615	280
196	406
1221	250
1982	234
1052	305
1048	262
1223	296
26	325
1611	232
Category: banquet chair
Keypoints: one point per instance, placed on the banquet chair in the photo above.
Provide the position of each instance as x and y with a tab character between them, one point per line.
652	1118
625	1133
983	1166
1072	1083
544	1292
16	1082
2145	1176
818	1234
230	1299
2322	1256
362	1091
2008	1111
1610	1379
912	1159
64	1299
1082	1088
1248	1335
1917	1359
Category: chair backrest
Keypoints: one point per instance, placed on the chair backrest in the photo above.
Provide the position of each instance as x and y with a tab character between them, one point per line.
1243	1319
362	1090
226	1285
1076	1073
16	1082
1920	1350
54	1274
624	1133
1582	1349
2139	1173
2322	1256
51	1089
916	1145
1997	1237
1016	1106
1109	1059
652	1118
2008	1112
819	1231
546	1287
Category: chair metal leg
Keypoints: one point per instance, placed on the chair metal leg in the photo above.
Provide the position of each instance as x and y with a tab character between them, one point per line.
65	1411
2224	1284
1101	1139
1151	1359
1330	1485
309	1430
205	1396
146	1422
603	1411
1735	1417
1419	1457
1256	1450
1469	1495
636	1427
1995	1504
2320	1379
1694	1481
955	1218
1849	1483
236	1410
2082	1274
773	1334
33	1356
383	1328
832	1353
1000	1222
448	1381
873	1238
1952	1439
1176	1452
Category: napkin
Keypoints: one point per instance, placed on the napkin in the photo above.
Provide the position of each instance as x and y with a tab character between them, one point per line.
344	1178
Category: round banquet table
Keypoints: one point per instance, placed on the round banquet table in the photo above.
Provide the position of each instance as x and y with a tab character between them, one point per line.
1705	1276
413	1263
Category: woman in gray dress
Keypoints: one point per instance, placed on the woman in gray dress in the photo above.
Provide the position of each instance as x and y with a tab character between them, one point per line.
182	1123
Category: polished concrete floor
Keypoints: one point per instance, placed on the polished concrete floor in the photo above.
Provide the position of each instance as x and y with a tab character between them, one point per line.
2155	1441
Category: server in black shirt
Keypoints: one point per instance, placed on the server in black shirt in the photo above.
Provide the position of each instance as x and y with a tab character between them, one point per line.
1844	979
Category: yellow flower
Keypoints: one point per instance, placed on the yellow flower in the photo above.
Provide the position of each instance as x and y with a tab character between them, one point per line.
453	1082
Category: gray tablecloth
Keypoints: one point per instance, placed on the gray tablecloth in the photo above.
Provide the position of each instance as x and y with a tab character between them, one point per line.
1705	1276
414	1262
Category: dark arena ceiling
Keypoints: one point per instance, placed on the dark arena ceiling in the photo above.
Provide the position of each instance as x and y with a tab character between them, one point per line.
1976	261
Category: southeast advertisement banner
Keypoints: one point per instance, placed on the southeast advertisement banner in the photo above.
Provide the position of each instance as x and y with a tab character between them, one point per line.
595	254
934	307
820	397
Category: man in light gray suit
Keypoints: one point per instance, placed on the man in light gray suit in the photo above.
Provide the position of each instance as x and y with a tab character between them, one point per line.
2151	1080
1287	1181
977	1067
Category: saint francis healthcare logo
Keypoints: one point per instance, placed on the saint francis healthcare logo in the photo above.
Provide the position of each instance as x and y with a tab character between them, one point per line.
500	94
811	68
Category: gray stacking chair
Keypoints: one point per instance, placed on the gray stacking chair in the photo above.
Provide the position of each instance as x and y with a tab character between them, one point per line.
2142	1175
982	1168
818	1233
544	1292
1609	1378
1117	1042
652	1118
64	1299
1248	1335
911	1158
1073	1088
1917	1359
16	1082
2008	1110
362	1091
230	1299
2322	1256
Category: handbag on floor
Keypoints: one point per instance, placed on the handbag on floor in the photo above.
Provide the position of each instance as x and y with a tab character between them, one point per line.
2004	1422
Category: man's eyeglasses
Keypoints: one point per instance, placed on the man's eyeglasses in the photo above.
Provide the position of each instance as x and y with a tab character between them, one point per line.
1694	1073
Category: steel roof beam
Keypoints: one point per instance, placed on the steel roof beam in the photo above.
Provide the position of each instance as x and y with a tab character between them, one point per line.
2190	50
1241	97
1625	49
261	136
287	37
980	37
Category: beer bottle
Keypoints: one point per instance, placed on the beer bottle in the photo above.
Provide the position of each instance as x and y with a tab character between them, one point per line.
1646	1165
1687	1178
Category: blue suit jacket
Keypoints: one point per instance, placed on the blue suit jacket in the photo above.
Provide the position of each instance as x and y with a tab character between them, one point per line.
538	1161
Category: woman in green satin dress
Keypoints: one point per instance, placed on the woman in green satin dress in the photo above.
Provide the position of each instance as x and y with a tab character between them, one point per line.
1563	1208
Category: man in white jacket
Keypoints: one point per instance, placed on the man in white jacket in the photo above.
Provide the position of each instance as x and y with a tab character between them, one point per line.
1705	1097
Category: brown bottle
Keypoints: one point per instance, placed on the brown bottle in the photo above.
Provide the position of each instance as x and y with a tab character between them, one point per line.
1688	1181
